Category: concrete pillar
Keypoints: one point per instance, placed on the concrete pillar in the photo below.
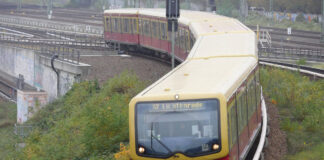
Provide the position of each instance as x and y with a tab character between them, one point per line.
28	103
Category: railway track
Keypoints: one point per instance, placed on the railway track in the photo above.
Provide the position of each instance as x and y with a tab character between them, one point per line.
99	44
309	71
297	38
299	33
88	17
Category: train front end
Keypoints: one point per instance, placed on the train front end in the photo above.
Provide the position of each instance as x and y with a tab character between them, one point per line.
178	129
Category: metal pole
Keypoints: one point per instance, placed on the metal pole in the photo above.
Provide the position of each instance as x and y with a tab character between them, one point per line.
271	9
19	5
172	39
189	5
322	36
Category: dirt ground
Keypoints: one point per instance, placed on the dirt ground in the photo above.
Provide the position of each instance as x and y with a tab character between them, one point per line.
105	67
2	99
277	144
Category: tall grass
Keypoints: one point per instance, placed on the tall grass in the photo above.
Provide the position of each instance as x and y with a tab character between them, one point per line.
87	123
7	120
301	106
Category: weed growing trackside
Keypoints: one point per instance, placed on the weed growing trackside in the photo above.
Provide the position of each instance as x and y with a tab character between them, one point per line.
301	106
7	120
89	122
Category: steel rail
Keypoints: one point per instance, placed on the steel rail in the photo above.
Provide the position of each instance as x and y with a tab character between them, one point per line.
258	152
303	69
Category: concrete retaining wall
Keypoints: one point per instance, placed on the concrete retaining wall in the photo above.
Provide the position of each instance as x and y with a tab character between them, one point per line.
37	70
38	73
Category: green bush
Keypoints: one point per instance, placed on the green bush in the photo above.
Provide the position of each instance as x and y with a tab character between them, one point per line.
87	123
8	117
301	62
315	153
225	7
300	18
300	102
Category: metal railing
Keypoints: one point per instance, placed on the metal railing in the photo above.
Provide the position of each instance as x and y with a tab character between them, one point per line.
47	25
61	39
22	130
46	48
265	38
292	53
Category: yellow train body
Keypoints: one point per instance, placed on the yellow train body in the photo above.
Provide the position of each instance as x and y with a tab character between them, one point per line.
217	69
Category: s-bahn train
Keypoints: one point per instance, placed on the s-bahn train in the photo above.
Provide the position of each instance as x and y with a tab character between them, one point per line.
209	106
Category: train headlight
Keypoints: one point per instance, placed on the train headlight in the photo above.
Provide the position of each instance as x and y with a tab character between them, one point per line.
141	149
215	146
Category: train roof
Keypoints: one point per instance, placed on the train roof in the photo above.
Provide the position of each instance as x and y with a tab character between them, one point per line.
224	54
200	23
203	76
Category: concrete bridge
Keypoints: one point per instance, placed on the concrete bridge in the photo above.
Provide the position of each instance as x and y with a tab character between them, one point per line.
28	77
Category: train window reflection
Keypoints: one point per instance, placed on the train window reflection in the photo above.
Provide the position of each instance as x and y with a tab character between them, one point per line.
189	127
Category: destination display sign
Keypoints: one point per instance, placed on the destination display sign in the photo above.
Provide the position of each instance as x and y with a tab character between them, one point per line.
177	106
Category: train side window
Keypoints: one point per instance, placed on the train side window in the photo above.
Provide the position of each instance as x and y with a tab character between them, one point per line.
147	28
169	36
187	41
164	31
158	35
192	40
232	123
134	26
114	25
180	37
153	27
140	26
144	27
105	24
183	39
126	25
131	26
177	37
251	98
258	87
120	25
108	24
241	110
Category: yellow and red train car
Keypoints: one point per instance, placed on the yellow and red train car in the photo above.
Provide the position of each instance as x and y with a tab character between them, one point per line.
208	107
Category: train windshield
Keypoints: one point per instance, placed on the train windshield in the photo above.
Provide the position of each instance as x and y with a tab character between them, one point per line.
187	127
